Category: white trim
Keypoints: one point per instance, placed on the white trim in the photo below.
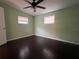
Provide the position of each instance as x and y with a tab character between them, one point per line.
59	39
19	37
44	37
2	43
3	29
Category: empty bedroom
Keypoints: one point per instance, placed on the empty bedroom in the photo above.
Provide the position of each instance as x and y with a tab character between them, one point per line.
39	29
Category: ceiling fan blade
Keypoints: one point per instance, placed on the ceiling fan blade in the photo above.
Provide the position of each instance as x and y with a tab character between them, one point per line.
27	7
39	1
33	0
41	7
27	1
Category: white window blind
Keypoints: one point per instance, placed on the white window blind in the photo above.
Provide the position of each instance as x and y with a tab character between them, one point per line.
49	20
22	20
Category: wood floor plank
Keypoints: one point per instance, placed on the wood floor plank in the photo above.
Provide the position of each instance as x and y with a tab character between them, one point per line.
35	47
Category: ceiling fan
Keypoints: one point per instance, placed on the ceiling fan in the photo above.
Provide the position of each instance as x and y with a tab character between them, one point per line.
34	4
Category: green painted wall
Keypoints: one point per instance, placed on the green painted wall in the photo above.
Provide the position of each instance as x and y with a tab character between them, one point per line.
66	26
15	30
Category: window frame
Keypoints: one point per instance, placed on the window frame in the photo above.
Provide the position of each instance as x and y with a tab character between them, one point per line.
23	20
49	19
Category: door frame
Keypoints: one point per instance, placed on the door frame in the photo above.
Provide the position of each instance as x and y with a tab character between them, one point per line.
4	29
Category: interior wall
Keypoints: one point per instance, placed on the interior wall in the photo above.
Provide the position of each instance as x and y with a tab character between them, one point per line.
66	26
15	30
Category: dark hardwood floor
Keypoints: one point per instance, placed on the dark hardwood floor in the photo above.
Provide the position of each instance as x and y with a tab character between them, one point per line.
35	47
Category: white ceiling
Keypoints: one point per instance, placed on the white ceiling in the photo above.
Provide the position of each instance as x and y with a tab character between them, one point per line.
51	5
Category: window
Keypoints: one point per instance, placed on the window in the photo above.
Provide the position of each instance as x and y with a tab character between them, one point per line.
49	20
22	20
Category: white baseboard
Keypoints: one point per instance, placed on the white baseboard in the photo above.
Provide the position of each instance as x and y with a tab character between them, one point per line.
2	43
45	37
59	39
19	37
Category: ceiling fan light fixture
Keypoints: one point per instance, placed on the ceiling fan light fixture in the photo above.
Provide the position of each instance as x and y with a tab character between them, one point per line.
34	4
